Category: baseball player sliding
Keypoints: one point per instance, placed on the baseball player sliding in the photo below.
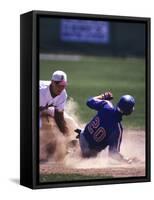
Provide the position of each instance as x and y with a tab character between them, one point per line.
52	99
105	129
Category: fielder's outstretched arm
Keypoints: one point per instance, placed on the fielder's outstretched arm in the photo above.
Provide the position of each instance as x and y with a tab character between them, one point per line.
60	121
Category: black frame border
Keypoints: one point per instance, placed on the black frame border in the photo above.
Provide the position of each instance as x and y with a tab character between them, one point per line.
29	44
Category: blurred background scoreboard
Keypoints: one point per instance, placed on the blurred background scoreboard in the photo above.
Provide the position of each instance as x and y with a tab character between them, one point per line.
92	37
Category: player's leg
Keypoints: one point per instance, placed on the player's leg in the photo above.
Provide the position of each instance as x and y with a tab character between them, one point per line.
120	131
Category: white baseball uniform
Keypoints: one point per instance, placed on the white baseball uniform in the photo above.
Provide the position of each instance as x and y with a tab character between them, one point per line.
45	98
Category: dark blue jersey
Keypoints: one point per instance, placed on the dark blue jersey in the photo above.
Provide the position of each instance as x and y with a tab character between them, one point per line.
105	128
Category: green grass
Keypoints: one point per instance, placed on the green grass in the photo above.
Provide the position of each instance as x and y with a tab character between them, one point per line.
92	75
69	177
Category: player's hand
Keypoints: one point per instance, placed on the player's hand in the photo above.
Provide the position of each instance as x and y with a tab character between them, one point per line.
132	160
43	108
120	158
107	96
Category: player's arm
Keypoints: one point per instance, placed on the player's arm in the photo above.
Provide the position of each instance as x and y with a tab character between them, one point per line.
60	121
98	102
43	105
59	114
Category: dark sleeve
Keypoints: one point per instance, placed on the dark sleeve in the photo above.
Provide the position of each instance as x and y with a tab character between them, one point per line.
115	143
95	104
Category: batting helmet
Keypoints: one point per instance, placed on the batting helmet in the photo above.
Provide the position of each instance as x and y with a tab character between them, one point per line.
126	104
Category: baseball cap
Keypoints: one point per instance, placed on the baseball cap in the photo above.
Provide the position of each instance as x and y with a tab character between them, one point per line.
60	77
